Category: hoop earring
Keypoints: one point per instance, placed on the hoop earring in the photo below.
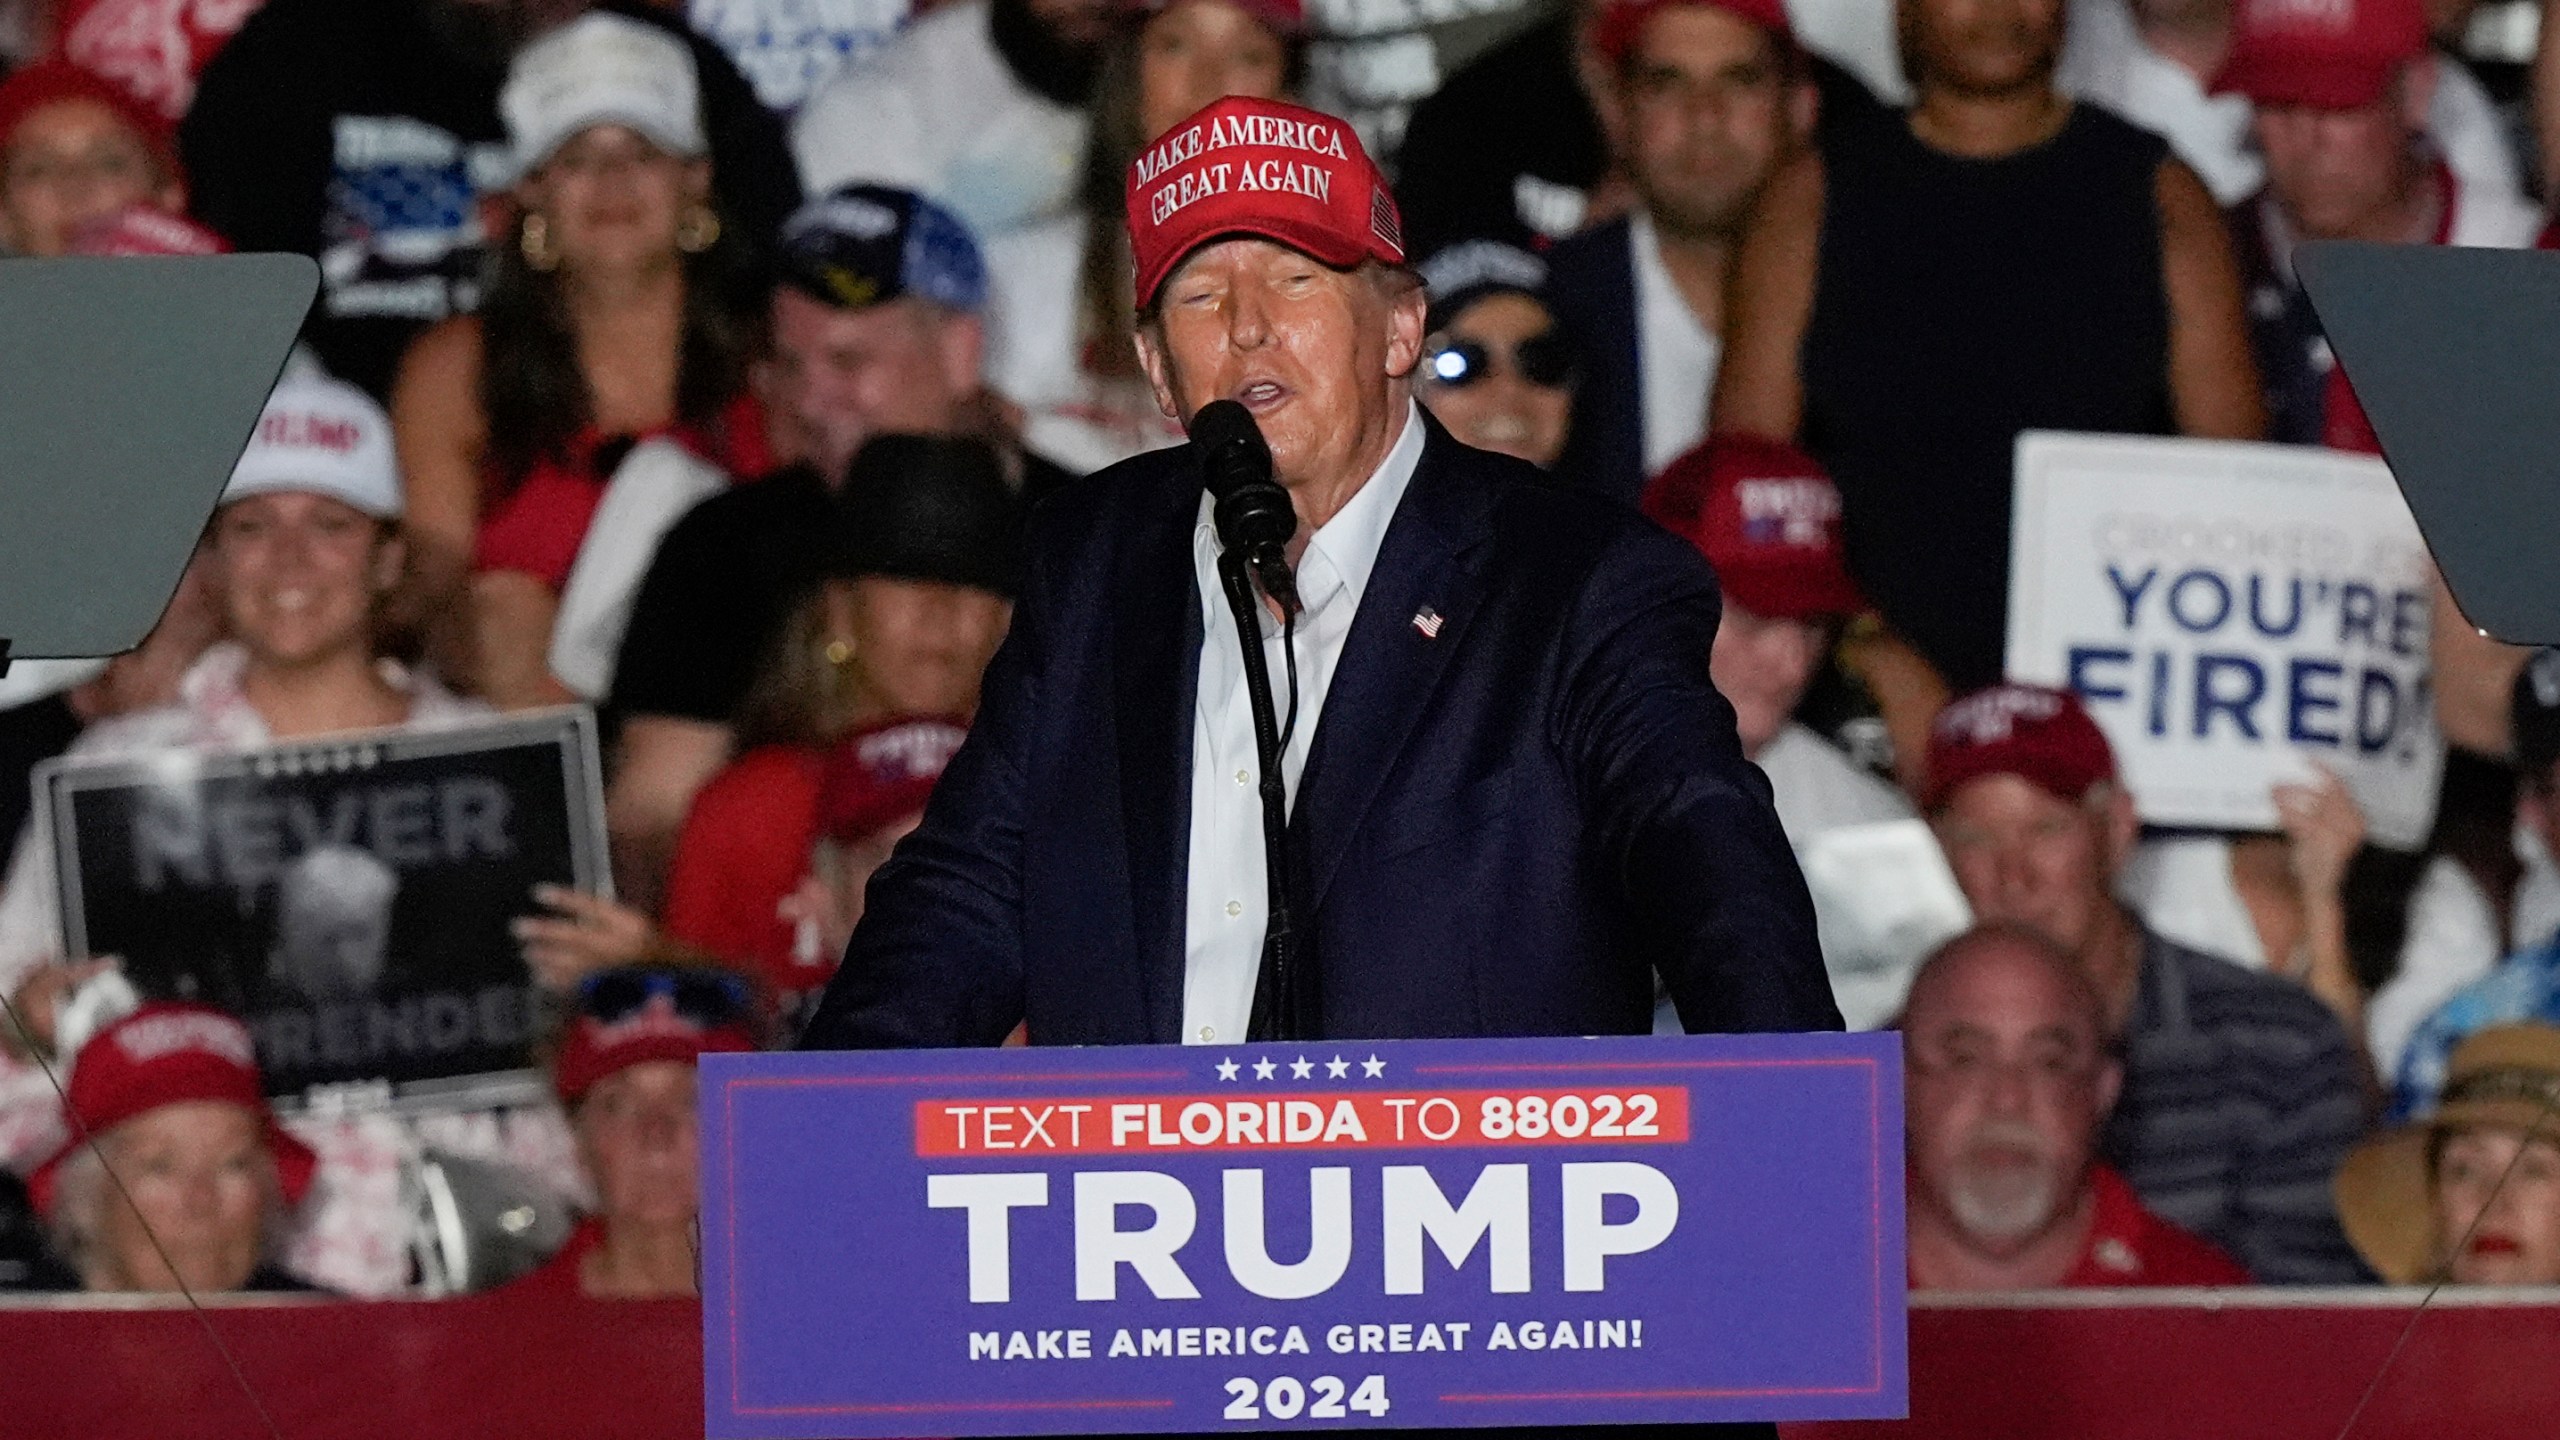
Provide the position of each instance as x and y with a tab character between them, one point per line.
698	230
534	240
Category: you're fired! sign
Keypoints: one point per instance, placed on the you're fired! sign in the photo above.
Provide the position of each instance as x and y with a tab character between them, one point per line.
1390	1234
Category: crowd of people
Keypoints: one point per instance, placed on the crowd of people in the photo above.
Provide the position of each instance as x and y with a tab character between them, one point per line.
709	382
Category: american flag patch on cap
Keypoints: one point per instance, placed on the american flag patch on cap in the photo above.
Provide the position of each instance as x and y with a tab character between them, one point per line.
1383	219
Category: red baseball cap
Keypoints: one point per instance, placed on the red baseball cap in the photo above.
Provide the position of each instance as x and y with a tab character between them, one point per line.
169	1053
144	230
878	776
2324	54
2030	731
50	82
1767	517
1265	168
659	1027
1622	22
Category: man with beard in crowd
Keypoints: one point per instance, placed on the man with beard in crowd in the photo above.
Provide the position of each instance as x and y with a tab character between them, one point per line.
1715	98
2010	1077
365	133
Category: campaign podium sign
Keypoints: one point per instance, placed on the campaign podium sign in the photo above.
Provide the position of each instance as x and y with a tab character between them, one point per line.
1391	1234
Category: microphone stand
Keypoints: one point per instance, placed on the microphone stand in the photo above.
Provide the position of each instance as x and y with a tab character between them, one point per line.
1283	995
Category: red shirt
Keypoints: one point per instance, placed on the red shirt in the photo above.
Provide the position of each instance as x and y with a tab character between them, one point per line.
537	529
743	850
2129	1246
558	1276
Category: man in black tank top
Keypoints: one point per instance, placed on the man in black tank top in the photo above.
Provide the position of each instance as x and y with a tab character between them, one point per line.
1913	296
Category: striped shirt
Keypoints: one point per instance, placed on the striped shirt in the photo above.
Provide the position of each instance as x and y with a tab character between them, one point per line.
2241	1095
2525	988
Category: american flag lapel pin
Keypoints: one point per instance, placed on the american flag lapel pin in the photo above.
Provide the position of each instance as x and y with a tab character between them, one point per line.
1428	621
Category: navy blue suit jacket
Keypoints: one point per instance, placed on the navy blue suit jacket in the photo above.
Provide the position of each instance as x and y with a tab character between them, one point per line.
1591	286
1503	830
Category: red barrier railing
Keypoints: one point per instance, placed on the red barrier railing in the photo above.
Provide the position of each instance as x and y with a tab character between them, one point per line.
2177	1365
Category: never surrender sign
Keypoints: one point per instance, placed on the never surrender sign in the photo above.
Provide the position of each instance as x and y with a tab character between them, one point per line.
1388	1234
349	897
2231	613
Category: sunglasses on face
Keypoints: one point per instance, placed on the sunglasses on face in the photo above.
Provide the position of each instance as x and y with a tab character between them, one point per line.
705	999
1544	360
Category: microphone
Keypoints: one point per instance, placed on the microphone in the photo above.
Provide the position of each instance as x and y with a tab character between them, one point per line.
1252	513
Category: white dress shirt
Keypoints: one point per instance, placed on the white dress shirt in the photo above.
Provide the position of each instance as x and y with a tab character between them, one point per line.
1229	898
1675	356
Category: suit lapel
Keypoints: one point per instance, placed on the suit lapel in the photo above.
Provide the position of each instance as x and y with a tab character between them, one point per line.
1156	674
1389	667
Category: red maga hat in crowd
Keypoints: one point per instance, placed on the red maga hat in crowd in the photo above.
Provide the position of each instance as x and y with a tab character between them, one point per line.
169	1053
1622	22
1263	168
2325	54
880	775
2030	731
633	1016
1767	517
50	82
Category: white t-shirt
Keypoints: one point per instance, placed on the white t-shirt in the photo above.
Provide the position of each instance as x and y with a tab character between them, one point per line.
1818	787
1035	276
1675	356
1035	353
2181	886
938	111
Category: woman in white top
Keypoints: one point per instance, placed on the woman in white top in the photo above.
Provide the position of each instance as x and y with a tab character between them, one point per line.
1060	336
302	555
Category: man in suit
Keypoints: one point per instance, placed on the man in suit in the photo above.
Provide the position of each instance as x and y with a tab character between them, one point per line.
1516	794
1713	96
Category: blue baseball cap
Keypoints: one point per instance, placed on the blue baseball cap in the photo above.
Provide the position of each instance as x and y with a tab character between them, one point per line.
865	245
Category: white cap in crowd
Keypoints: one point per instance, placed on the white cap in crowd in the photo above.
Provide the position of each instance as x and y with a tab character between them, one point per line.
602	69
324	437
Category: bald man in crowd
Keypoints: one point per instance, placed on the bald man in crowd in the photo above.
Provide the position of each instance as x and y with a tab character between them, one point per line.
2011	1074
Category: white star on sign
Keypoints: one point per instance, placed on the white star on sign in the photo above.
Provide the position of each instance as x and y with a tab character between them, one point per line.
1337	1067
1300	1069
1373	1067
1226	1069
1263	1069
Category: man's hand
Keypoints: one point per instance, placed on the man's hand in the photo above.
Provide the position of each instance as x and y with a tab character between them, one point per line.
39	1003
587	933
